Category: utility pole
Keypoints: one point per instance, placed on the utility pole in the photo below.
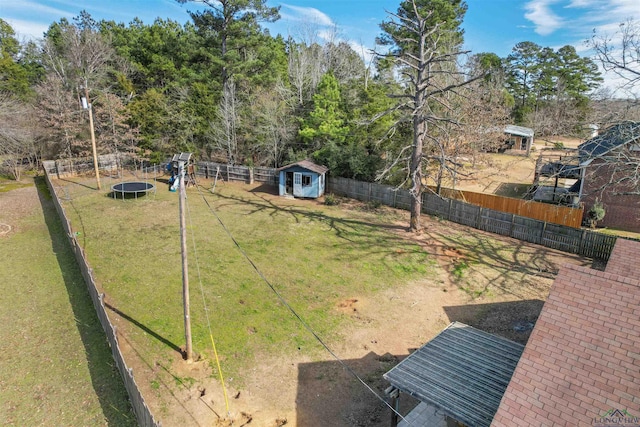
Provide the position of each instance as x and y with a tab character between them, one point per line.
87	105
185	271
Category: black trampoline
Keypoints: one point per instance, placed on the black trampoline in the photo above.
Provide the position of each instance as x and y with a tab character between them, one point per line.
132	189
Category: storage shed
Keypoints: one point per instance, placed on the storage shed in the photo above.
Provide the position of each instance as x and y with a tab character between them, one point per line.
519	139
303	179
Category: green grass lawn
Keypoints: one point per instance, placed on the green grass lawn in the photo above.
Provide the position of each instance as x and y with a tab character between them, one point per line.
55	365
317	257
314	255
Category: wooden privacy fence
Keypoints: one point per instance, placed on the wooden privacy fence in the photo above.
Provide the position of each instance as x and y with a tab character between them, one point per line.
568	239
246	174
62	168
523	220
563	215
143	413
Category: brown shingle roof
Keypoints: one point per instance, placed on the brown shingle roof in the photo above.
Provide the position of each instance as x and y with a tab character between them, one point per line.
309	165
583	357
624	259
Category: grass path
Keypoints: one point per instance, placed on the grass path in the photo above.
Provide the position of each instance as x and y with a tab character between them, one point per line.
55	364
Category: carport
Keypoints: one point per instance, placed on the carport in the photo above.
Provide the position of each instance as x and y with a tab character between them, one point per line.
462	373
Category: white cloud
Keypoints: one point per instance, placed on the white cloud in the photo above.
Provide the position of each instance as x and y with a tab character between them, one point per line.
583	3
28	30
545	20
365	52
30	8
308	14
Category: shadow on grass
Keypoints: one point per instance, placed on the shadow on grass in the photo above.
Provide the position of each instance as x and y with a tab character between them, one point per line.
160	338
266	204
105	377
501	263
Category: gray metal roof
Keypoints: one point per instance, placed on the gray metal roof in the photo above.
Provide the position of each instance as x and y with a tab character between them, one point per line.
518	130
463	371
613	137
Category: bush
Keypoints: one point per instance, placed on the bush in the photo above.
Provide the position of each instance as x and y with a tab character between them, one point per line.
596	213
558	145
331	200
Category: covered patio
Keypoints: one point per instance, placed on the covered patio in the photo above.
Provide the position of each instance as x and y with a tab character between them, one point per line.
459	376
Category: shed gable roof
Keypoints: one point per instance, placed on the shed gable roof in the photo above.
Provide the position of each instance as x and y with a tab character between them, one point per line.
309	165
519	130
615	136
463	371
582	358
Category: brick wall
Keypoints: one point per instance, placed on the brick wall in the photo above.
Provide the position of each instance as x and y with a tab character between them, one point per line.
621	210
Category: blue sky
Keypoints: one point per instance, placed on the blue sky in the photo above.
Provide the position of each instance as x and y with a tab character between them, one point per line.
490	25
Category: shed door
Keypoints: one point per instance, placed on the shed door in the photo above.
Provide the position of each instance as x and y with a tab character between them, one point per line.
297	184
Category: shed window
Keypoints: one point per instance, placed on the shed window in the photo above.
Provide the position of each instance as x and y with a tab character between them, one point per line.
306	180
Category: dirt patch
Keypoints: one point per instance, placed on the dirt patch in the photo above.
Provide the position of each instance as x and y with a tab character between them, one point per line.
16	204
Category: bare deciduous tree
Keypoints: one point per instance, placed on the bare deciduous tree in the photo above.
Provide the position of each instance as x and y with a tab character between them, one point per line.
426	58
620	53
223	130
76	57
274	126
17	136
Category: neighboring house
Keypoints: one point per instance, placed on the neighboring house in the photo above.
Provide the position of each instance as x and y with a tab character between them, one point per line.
519	139
303	179
581	365
610	174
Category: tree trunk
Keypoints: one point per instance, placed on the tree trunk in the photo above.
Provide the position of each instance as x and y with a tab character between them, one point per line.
419	129
419	132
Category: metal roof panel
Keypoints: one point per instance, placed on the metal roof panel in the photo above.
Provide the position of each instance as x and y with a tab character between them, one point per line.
463	371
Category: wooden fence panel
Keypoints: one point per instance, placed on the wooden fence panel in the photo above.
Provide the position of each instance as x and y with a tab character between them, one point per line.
383	194
527	229
496	222
464	213
563	238
433	204
403	199
564	215
597	245
265	175
360	190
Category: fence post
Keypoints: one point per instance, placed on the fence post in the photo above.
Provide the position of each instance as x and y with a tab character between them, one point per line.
449	213
395	197
479	220
369	193
544	228
250	175
513	222
581	246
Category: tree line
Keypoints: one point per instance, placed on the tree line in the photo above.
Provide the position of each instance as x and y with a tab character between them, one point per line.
223	87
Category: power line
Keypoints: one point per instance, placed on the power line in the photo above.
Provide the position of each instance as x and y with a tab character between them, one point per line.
206	312
295	314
